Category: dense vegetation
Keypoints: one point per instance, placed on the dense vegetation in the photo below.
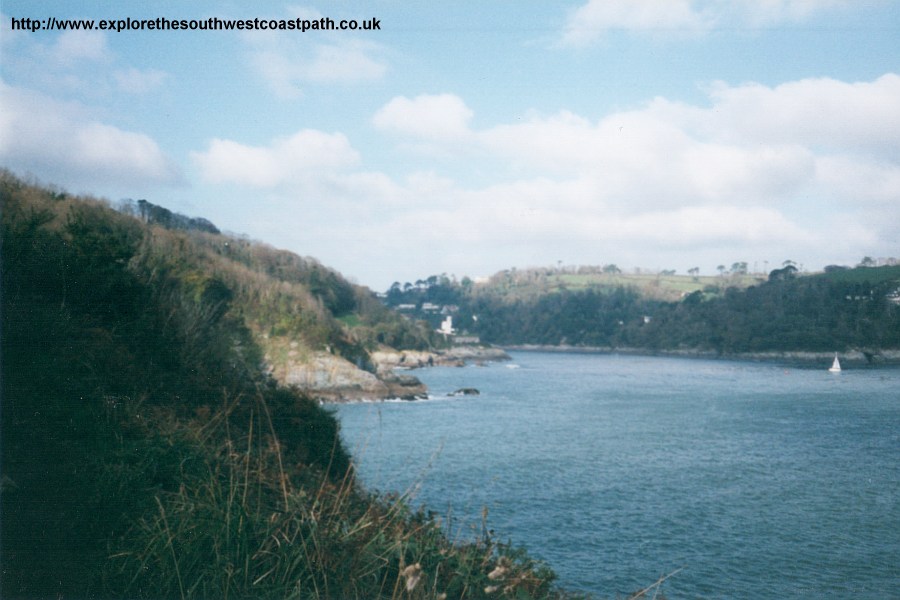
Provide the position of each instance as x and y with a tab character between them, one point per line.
838	310
277	293
145	452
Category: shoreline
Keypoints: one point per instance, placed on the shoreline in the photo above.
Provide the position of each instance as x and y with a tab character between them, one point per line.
388	385
388	360
857	358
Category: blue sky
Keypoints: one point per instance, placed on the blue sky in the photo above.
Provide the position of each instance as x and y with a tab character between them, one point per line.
469	137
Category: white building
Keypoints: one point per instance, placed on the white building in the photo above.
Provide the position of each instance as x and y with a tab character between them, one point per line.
447	326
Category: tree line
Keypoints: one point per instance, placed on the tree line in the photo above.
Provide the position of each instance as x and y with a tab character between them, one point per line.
837	310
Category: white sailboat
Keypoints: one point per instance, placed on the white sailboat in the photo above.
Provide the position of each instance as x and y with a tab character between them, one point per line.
836	365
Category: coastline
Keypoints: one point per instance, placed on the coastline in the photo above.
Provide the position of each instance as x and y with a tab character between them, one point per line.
386	384
856	358
388	360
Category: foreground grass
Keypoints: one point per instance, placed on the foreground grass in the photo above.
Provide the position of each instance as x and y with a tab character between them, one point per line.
239	526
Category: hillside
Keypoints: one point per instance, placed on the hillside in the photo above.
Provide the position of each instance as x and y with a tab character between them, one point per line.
845	310
667	286
147	452
315	329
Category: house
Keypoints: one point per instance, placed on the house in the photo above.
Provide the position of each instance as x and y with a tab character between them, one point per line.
447	326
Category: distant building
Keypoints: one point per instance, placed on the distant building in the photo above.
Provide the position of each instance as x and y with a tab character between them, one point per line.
447	326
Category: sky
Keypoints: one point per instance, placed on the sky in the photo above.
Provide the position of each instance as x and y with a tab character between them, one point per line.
468	137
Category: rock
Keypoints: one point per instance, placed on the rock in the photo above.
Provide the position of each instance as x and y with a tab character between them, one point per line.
405	387
467	391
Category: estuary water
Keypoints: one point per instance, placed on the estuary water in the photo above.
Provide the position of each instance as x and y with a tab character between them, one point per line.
757	480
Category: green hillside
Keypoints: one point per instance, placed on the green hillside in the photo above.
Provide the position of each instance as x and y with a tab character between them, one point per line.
530	283
841	309
146	453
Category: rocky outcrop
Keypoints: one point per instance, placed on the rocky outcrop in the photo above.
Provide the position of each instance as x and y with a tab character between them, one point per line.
388	359
404	387
331	378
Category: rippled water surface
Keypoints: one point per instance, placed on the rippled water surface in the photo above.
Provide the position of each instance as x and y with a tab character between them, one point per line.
761	481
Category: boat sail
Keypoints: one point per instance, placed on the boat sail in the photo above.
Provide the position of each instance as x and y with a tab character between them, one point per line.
836	365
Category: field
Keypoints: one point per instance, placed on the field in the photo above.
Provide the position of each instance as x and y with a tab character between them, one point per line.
534	282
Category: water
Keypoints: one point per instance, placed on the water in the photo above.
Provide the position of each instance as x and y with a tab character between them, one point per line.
761	481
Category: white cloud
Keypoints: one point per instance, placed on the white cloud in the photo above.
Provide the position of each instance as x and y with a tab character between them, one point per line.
440	117
757	170
859	182
75	62
539	211
62	142
823	113
348	62
290	62
753	145
593	19
73	46
304	155
708	226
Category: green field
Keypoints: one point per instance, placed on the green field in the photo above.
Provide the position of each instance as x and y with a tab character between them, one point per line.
535	282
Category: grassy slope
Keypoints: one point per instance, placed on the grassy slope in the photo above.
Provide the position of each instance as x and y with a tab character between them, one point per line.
146	455
531	283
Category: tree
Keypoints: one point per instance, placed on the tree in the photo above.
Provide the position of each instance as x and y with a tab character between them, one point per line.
788	272
867	261
739	268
